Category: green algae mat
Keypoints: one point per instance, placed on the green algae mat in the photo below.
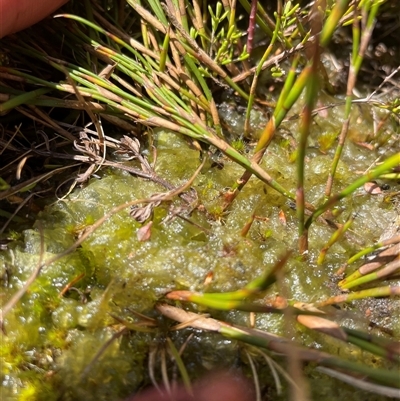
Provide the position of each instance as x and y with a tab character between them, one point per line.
210	226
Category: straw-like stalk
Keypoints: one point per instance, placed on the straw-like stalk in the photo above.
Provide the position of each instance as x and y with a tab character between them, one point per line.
369	12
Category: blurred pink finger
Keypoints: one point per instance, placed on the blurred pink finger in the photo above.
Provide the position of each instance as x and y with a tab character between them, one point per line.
16	15
216	387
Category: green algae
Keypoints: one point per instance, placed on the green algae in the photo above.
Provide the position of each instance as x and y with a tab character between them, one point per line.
51	341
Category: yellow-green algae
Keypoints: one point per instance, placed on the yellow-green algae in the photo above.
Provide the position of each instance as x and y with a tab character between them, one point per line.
51	340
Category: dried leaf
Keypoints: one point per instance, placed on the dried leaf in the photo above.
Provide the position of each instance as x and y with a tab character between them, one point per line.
131	144
209	278
141	214
107	71
144	233
372	188
192	319
132	147
282	217
323	325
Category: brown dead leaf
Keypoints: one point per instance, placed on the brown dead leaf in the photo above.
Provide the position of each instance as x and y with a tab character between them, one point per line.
372	188
323	325
209	278
144	233
282	217
195	320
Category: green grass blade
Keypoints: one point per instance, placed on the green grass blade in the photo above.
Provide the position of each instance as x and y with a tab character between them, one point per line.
387	165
